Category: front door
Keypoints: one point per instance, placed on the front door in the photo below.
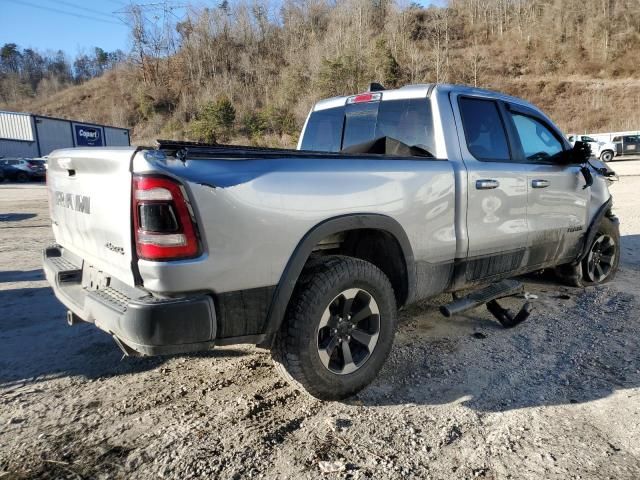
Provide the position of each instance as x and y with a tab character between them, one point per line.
557	200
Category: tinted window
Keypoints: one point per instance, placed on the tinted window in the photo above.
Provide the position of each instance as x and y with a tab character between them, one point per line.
360	123
587	139
616	139
483	129
324	131
538	142
409	121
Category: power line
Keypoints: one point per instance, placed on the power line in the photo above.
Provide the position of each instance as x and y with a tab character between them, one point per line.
166	7
83	8
63	12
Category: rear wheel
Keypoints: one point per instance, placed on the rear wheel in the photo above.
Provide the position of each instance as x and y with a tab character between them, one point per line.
22	177
339	328
606	156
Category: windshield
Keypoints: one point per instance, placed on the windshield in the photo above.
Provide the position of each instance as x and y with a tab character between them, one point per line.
409	121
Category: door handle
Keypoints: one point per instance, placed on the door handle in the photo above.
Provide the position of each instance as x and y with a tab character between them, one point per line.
539	183
487	184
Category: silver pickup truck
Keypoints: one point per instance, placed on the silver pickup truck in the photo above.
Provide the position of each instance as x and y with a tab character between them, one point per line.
393	196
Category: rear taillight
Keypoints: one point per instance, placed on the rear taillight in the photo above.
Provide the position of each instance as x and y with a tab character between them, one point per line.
162	221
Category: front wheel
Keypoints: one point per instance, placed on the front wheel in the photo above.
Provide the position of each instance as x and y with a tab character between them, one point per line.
339	328
601	261
606	156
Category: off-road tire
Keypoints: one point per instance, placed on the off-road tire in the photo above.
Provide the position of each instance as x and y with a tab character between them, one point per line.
576	275
606	156
295	351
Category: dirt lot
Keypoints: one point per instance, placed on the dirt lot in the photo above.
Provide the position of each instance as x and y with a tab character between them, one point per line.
556	397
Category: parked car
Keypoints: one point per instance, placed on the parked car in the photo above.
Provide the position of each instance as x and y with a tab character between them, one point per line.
23	169
394	196
605	151
627	144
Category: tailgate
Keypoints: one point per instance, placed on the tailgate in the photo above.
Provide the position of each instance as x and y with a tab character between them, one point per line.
90	205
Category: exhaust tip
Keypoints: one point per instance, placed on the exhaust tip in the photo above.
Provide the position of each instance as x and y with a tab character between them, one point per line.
72	318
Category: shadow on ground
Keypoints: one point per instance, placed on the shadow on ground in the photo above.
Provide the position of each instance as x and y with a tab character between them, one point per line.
21	275
37	344
16	217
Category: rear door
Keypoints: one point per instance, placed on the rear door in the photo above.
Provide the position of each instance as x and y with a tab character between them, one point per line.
90	206
497	189
556	200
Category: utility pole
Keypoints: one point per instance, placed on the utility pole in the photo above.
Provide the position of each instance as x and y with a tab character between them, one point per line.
153	33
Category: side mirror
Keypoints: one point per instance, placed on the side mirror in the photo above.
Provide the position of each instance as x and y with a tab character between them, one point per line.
580	153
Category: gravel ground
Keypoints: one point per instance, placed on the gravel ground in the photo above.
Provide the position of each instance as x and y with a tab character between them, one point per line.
556	397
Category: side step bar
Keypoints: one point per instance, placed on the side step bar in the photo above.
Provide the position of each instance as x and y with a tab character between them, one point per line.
505	288
489	296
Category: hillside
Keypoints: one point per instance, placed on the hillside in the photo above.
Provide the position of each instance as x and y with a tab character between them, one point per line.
239	75
100	100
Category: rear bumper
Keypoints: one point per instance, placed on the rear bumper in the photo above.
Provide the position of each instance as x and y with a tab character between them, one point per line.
139	323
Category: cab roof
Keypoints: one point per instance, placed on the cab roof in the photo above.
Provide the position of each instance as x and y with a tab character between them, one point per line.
423	90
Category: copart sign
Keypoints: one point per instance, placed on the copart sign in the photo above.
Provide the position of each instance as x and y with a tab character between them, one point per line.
87	136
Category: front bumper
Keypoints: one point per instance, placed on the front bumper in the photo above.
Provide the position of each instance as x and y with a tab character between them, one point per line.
139	322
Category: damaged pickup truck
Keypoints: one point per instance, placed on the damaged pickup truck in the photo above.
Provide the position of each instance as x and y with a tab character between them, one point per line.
393	196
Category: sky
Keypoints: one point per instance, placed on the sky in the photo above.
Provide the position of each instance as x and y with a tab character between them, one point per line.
74	26
66	25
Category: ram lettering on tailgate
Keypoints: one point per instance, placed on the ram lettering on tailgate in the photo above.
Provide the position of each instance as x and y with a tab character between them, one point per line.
78	203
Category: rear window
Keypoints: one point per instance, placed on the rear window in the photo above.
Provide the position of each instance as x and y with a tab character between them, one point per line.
360	123
409	121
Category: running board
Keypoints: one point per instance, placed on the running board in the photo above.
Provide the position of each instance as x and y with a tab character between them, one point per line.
488	296
505	288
